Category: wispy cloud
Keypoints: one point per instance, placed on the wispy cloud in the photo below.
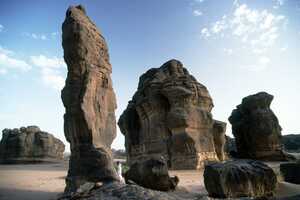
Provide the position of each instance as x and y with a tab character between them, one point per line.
41	36
197	13
257	30
8	61
1	27
50	70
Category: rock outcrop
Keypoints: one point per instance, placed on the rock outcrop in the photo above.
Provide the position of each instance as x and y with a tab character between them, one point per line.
239	178
153	174
256	129
219	129
170	116
291	143
290	172
89	100
28	145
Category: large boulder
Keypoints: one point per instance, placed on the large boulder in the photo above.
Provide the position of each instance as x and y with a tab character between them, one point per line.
89	99
29	144
239	178
290	172
151	173
170	116
256	129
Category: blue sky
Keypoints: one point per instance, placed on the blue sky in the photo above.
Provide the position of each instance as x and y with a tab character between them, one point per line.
235	48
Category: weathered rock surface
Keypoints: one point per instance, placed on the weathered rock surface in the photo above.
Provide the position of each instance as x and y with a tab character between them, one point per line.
256	129
118	191
89	99
239	178
29	144
290	172
151	173
170	116
219	129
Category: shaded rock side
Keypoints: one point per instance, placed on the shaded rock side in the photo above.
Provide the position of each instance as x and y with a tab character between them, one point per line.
291	143
151	173
170	116
29	144
256	129
290	172
239	178
89	100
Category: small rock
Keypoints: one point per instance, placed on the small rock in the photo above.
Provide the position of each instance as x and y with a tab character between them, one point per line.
86	187
151	173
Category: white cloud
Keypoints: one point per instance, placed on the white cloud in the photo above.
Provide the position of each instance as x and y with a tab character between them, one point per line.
36	36
264	60
256	30
199	1
228	51
205	33
50	70
197	13
8	61
1	28
43	61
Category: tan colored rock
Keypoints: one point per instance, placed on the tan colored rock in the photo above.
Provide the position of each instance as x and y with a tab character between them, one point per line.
89	100
170	116
30	145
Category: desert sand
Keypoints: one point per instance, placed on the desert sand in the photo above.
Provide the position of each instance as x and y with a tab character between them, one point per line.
46	181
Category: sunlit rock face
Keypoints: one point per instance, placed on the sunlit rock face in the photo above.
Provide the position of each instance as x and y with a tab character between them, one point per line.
28	145
256	129
89	99
170	116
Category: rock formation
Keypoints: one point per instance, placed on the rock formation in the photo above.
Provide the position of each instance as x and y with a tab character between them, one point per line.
29	144
170	116
89	100
291	143
219	129
239	178
256	129
152	173
290	172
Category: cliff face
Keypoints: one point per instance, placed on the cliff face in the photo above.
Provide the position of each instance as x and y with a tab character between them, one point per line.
170	116
29	144
89	99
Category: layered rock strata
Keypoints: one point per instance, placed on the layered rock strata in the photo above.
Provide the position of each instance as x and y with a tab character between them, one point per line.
28	145
256	129
89	100
239	178
170	116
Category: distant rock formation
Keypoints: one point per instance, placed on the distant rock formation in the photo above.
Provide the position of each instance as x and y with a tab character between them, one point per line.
89	99
291	143
219	129
28	145
170	116
290	172
239	178
256	129
153	174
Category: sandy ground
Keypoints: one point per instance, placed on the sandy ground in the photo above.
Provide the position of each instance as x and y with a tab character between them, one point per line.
46	181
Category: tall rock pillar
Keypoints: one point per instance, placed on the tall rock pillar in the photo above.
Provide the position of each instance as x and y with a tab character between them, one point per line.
89	100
